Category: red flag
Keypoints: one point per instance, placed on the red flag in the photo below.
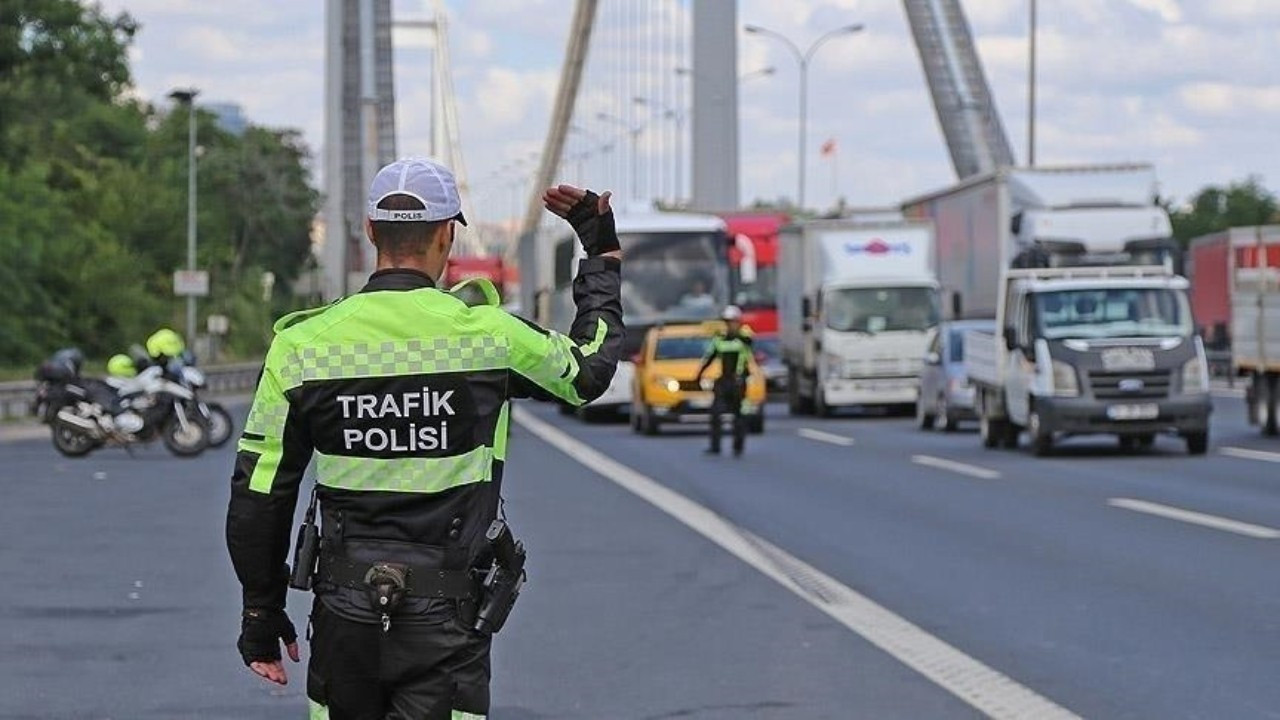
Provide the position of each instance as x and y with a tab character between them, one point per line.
828	148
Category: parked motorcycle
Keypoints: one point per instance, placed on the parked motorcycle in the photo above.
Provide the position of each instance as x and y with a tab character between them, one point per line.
182	370
213	414
88	413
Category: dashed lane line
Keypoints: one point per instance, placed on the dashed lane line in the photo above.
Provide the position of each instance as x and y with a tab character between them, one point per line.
1215	522
987	690
826	437
956	467
1247	454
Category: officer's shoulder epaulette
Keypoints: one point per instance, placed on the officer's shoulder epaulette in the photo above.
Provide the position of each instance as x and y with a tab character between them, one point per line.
477	292
293	318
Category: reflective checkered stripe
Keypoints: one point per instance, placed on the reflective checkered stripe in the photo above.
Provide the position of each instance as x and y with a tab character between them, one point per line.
461	715
465	353
409	475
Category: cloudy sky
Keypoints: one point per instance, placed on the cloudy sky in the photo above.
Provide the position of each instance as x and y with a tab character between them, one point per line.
1190	85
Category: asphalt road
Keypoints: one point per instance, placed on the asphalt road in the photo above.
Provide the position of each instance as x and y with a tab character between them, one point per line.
1112	585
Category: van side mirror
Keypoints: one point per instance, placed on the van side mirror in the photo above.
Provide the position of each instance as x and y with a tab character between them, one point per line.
932	358
957	305
1010	337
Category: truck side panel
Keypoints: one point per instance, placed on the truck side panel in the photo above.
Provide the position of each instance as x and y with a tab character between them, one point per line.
971	244
794	283
1211	286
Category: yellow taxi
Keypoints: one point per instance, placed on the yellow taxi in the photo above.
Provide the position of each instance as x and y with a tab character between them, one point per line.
666	389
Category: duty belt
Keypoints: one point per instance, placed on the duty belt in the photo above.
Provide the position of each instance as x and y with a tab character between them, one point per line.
422	582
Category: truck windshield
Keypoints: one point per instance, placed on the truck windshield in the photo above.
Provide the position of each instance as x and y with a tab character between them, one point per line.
1113	312
680	348
874	310
763	293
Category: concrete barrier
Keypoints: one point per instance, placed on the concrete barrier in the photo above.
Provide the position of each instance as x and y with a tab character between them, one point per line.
16	397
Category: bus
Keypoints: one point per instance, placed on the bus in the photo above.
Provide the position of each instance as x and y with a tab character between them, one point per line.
753	276
675	269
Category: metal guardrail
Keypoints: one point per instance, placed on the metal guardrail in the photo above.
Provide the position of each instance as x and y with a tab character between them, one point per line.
15	397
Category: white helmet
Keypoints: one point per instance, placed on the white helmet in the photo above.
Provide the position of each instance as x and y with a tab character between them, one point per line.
731	312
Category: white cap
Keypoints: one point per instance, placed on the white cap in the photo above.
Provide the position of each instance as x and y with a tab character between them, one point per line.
426	181
731	312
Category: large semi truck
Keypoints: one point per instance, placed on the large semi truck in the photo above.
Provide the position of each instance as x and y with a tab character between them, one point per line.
1238	270
855	304
1094	330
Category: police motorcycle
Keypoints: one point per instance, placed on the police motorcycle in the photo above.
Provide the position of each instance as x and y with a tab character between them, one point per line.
165	349
213	414
182	370
87	413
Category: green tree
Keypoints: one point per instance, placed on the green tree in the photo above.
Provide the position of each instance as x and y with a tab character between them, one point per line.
93	196
1240	203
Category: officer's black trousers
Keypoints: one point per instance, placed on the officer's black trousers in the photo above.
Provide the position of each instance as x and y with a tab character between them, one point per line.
728	401
411	672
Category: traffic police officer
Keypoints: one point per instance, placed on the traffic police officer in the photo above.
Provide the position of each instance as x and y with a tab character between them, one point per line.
733	349
402	393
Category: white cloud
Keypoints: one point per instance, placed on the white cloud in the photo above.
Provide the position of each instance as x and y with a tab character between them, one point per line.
1190	86
1168	10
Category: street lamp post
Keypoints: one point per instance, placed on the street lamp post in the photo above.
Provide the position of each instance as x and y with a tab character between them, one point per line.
802	59
187	97
634	132
677	117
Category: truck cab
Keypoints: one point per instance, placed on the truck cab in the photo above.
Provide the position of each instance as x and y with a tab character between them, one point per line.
1099	350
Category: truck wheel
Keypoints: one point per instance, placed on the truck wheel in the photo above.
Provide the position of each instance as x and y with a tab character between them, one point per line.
1197	443
946	422
1266	395
924	420
1041	436
1009	441
797	403
989	431
820	407
648	421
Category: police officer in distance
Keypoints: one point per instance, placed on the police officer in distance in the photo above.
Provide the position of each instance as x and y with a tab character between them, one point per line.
402	394
732	348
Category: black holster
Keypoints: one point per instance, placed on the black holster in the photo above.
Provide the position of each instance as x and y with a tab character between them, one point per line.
502	584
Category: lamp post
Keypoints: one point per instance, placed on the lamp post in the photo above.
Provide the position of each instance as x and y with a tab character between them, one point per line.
1031	89
187	97
802	59
634	132
677	117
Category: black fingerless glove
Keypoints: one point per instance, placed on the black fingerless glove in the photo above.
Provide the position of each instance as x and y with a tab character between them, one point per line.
596	232
261	632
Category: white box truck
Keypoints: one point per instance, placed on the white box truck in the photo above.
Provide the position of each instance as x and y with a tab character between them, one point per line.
856	301
1094	326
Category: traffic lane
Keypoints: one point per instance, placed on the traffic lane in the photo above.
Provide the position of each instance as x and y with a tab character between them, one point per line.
122	601
624	616
629	614
1037	585
1243	488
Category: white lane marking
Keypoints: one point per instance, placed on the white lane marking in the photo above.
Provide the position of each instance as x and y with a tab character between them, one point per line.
1247	454
1196	518
989	691
825	437
1227	392
956	467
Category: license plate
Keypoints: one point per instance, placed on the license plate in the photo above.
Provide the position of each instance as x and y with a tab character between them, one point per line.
700	403
1145	411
